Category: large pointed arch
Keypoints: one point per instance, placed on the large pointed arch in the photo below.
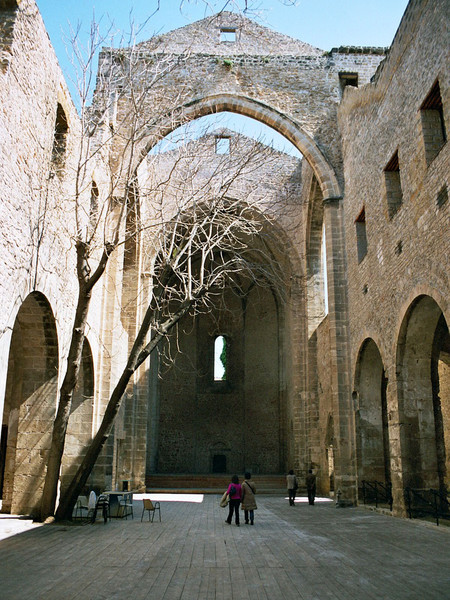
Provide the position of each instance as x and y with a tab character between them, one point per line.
248	107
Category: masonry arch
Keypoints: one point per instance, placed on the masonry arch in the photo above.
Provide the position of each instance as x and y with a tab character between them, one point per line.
259	111
371	416
30	401
423	368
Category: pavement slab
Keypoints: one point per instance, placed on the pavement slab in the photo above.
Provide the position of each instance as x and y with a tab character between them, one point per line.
304	552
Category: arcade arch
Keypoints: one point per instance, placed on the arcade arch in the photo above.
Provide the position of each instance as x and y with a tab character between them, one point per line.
371	416
254	109
329	200
423	367
30	401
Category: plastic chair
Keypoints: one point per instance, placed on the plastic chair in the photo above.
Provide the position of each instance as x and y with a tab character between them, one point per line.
103	505
152	507
81	504
126	506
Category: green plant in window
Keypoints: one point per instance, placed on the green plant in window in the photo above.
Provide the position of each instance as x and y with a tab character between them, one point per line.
223	358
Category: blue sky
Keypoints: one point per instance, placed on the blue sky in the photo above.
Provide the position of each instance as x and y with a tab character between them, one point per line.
321	23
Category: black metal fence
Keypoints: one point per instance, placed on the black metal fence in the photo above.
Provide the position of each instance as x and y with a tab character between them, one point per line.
377	492
427	502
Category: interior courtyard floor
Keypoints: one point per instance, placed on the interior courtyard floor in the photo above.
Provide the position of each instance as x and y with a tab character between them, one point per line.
304	552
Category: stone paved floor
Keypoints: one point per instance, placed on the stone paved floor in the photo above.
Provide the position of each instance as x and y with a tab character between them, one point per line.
302	552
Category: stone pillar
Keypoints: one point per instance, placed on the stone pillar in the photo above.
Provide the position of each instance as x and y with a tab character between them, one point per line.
396	445
343	413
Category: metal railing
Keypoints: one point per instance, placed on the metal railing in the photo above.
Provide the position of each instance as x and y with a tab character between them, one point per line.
378	492
423	502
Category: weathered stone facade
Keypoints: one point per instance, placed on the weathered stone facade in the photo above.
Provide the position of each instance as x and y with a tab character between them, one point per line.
348	373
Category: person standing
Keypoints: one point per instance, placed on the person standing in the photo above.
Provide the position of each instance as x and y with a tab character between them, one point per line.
292	486
311	486
234	492
248	498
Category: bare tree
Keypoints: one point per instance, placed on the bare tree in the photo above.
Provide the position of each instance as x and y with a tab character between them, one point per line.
200	231
108	141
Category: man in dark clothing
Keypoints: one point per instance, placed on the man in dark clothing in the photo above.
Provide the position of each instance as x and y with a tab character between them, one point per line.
311	486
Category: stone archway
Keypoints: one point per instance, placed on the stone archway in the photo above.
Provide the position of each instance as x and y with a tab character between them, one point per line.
371	417
423	360
254	109
329	193
30	401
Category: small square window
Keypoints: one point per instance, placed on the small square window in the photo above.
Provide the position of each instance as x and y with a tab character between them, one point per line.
228	34
222	145
346	79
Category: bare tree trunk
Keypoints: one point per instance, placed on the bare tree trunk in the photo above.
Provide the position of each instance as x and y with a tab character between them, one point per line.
139	353
70	379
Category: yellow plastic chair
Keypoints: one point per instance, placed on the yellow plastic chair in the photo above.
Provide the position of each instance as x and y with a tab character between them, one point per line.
152	507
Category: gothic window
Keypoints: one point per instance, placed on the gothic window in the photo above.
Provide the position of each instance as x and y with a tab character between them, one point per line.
324	270
361	236
220	358
93	209
433	123
394	196
60	136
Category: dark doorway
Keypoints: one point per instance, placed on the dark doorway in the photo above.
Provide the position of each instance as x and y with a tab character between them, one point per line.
219	463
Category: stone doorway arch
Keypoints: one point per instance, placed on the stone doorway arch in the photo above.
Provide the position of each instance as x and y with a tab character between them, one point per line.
30	402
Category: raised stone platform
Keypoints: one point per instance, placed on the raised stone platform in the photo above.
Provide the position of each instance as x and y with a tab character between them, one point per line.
212	484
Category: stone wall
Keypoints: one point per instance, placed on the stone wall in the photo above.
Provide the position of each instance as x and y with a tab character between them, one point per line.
407	249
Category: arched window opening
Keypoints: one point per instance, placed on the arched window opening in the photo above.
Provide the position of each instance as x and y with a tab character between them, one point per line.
93	208
60	139
220	358
324	272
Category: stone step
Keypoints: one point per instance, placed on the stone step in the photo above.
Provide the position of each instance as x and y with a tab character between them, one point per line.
212	484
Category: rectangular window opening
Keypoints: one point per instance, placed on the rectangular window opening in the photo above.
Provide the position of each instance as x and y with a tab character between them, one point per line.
222	144
442	197
394	196
361	235
346	79
228	34
433	123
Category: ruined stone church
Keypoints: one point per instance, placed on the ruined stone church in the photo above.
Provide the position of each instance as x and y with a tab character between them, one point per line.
342	367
